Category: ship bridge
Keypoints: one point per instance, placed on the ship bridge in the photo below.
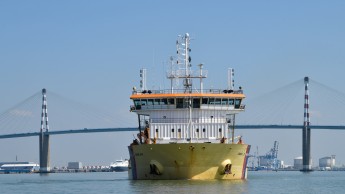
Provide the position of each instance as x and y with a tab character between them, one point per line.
223	99
184	114
205	116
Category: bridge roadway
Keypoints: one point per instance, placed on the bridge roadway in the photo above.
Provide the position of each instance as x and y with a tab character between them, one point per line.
100	130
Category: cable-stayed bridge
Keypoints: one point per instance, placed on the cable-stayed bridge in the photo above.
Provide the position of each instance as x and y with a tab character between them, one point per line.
107	130
279	109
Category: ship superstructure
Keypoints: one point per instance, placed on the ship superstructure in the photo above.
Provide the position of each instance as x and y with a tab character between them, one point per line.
187	132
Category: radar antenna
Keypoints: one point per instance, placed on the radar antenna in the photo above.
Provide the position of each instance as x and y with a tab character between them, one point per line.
183	62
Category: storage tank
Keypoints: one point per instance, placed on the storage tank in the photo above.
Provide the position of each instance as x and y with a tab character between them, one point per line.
327	162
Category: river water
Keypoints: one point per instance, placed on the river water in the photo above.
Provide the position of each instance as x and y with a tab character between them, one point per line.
117	182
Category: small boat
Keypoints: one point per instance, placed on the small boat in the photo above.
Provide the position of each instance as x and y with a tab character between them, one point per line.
119	165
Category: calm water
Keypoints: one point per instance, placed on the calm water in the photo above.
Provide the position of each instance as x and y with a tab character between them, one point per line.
115	182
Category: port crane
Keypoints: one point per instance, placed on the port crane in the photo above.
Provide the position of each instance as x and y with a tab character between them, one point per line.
267	161
271	156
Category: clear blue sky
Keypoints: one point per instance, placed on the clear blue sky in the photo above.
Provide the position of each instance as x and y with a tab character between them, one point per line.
91	51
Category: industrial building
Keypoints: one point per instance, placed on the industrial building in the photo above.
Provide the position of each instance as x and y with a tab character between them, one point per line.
298	163
327	163
74	165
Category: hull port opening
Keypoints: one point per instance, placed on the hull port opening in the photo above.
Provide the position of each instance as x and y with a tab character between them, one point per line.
227	169
156	168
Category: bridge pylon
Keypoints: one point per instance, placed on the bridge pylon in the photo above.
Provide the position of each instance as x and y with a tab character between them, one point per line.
44	149
306	131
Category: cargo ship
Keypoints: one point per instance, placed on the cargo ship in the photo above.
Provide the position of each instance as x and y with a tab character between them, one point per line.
186	131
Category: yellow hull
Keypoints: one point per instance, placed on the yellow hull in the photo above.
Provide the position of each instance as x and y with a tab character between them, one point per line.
188	161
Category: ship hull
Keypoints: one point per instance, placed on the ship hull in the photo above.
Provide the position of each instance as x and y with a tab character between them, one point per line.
119	168
188	161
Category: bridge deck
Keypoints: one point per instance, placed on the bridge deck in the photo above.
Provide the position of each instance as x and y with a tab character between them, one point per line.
102	130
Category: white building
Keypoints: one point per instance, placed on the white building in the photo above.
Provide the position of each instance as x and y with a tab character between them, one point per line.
74	165
298	163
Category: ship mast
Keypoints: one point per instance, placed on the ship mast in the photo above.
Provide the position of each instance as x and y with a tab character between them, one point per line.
183	71
183	66
187	59
171	76
187	81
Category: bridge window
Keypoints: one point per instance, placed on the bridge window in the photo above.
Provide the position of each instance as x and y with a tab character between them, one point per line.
156	101
211	101
164	101
237	103
181	103
171	101
217	101
204	100
231	101
196	103
150	102
143	102
224	101
137	104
